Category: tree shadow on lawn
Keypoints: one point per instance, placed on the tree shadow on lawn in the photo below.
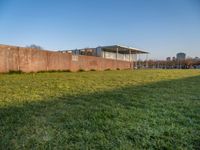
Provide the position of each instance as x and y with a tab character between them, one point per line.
162	115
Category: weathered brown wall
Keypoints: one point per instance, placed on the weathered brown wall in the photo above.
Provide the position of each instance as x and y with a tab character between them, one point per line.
8	58
32	60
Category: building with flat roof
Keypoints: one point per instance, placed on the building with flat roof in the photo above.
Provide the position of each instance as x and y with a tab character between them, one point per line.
117	52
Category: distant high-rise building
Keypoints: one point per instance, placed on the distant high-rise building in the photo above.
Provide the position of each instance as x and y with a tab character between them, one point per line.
168	58
196	59
174	58
180	56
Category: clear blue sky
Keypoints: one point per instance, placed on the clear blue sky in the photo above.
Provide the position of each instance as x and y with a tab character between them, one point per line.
162	27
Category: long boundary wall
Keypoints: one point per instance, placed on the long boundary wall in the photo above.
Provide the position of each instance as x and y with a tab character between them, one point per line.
14	58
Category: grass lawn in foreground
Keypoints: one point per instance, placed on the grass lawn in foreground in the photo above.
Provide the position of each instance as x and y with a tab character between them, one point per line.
140	109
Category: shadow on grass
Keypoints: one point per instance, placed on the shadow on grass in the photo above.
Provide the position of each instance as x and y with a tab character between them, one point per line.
162	115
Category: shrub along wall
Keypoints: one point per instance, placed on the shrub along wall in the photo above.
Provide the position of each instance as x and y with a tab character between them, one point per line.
32	60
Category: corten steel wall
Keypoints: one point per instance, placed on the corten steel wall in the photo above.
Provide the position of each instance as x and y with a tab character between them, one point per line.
8	54
98	63
32	60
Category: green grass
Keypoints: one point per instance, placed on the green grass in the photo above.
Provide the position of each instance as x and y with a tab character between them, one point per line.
141	109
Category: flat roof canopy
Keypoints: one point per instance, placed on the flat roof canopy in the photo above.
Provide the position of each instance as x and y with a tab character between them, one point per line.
123	49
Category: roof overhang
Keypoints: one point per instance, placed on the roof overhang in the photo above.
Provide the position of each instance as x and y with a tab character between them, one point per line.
123	49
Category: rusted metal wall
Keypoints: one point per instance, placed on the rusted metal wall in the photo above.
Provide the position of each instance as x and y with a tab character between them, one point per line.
32	60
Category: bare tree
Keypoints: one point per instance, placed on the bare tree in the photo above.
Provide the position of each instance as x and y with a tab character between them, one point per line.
35	46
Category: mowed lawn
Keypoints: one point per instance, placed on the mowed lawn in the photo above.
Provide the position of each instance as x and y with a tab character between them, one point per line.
140	109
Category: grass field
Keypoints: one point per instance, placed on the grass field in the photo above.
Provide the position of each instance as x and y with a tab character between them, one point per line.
141	109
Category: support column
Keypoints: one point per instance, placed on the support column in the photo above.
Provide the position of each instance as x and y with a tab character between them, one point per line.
136	61
117	54
130	59
117	58
130	55
147	65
